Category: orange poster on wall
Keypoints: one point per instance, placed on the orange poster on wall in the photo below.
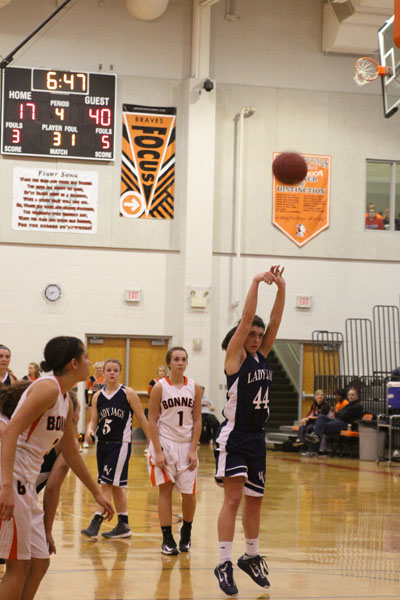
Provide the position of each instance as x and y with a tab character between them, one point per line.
302	211
148	162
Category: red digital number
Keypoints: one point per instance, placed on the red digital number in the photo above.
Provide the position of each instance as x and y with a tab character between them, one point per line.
105	142
32	106
100	116
16	136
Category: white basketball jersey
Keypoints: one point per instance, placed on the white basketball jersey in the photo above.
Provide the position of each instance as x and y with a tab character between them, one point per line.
41	435
176	410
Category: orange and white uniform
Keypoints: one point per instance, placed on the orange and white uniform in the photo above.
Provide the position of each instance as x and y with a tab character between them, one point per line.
23	537
175	430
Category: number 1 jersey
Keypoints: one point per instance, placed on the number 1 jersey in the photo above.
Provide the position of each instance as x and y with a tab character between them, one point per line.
176	410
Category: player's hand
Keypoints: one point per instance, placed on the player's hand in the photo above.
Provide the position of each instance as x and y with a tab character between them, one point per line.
277	272
108	511
89	436
266	276
161	463
50	543
6	503
192	459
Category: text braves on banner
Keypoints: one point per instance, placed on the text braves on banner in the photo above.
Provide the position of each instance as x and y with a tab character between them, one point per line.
61	201
148	162
302	211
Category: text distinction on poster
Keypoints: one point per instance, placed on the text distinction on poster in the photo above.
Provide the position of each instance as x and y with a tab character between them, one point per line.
302	211
62	201
148	162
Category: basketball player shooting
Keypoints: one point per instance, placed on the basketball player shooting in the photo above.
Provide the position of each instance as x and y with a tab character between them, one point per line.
240	443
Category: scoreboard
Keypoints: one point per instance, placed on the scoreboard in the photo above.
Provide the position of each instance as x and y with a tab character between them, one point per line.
58	114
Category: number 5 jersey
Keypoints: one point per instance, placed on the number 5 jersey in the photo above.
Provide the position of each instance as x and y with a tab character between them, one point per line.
115	416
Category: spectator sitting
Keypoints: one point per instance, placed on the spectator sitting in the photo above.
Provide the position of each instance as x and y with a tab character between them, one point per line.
372	206
34	372
352	412
340	400
372	220
209	421
319	407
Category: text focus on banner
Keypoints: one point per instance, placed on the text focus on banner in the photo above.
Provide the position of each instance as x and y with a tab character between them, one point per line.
148	162
302	211
55	200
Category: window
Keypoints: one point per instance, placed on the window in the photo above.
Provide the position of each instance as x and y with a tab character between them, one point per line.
382	209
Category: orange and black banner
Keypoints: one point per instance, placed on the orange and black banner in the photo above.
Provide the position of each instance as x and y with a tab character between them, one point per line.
302	211
148	162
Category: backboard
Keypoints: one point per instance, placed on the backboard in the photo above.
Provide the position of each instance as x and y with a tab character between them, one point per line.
389	58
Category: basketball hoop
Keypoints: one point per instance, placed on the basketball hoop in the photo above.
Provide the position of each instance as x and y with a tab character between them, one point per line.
367	69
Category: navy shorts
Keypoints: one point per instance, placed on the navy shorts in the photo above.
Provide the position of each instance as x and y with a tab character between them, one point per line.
113	462
241	454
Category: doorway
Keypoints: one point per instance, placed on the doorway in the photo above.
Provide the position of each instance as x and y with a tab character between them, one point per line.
138	356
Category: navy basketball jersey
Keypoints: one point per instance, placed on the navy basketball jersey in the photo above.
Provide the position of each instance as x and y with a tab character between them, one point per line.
45	470
7	379
248	395
115	416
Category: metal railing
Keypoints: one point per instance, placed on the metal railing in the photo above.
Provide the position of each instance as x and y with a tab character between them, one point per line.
386	323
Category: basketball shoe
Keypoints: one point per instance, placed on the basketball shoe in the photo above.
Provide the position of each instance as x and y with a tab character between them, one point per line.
185	542
256	567
169	547
93	530
121	530
224	574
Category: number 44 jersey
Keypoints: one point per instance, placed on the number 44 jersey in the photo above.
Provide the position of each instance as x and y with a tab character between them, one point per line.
115	416
248	394
176	410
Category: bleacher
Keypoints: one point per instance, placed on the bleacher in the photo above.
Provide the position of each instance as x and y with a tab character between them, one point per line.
363	357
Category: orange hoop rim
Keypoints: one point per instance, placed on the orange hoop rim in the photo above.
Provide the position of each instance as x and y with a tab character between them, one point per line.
366	75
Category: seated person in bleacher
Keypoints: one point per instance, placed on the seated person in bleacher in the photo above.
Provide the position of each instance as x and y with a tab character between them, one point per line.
319	407
340	400
350	413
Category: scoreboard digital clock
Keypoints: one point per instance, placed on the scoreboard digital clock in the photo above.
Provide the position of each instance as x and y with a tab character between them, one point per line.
59	114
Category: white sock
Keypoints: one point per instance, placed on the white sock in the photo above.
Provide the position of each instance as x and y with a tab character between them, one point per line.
225	551
251	546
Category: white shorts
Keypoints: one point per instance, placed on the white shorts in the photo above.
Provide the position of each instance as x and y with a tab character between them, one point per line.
177	471
23	537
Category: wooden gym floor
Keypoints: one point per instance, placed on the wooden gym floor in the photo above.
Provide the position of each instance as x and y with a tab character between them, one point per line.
330	530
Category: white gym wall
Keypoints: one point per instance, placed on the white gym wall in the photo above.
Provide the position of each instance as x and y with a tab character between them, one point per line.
270	58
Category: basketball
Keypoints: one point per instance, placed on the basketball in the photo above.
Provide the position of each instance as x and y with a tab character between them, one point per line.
289	168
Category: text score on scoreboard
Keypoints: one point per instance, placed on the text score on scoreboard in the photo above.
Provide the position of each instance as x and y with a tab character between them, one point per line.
59	114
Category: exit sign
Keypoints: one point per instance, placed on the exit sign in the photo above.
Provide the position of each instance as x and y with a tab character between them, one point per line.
303	301
133	295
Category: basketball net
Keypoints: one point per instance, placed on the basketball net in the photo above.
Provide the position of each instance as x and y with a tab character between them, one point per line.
367	69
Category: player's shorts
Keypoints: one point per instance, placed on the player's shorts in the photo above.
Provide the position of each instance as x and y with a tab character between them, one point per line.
177	471
241	454
23	536
113	462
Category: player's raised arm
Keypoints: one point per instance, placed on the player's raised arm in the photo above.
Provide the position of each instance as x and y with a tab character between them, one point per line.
235	352
276	312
